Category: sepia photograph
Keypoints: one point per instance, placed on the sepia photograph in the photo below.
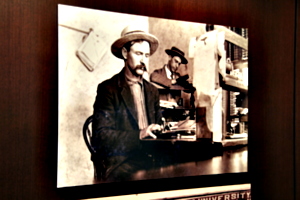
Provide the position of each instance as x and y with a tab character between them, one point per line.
145	98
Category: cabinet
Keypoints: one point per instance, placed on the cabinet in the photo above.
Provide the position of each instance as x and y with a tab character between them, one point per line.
235	87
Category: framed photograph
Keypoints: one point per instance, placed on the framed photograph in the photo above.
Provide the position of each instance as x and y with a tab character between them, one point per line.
192	127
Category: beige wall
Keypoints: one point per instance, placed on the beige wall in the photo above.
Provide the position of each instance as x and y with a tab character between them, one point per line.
173	33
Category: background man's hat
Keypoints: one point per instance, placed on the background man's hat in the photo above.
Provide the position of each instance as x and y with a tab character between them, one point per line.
174	51
131	33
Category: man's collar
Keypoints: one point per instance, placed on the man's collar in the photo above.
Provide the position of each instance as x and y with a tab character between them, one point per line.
168	72
132	81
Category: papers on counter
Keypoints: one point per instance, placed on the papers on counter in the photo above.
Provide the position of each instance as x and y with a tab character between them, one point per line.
167	104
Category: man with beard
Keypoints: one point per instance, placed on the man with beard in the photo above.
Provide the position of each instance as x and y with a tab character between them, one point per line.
126	109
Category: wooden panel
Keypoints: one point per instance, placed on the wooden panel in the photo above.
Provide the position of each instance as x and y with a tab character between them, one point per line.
297	106
29	83
271	101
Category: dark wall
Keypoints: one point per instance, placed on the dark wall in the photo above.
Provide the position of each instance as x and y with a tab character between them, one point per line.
29	89
297	105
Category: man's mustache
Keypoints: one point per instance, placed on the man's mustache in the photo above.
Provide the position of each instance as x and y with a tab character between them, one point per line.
141	66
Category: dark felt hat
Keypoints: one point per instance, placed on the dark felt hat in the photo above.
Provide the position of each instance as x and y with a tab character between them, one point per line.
131	33
174	51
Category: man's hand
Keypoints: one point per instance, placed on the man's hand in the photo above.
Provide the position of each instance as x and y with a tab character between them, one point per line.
148	131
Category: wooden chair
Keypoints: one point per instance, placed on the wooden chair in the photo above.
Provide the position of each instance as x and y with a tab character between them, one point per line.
99	167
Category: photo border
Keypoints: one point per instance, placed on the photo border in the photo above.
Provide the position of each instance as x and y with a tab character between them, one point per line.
156	185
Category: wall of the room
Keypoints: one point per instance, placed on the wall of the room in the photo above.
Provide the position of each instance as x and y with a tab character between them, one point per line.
30	92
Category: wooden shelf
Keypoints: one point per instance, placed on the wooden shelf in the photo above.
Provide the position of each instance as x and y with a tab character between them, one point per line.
228	82
234	142
235	83
233	37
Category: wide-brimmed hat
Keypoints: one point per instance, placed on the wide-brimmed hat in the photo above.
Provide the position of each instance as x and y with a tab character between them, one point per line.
174	51
130	33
